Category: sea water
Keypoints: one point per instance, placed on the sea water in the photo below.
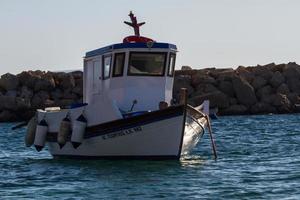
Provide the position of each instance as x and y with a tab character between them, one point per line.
259	158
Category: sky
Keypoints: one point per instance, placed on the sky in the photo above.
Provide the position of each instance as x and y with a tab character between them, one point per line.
55	34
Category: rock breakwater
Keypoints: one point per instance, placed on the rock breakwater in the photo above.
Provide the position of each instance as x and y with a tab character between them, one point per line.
22	94
246	90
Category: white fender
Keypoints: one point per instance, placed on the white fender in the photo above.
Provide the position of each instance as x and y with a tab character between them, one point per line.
78	131
64	131
30	133
40	135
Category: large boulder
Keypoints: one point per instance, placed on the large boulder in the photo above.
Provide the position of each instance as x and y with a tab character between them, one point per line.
186	68
223	74
216	99
280	99
46	82
77	75
283	89
64	80
264	91
8	116
227	88
182	82
277	79
39	99
9	82
22	104
291	71
245	73
26	92
29	78
262	108
235	110
78	90
8	103
258	82
294	84
294	98
199	78
57	94
264	71
244	91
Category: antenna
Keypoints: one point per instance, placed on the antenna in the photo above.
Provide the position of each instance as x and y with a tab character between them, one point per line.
134	24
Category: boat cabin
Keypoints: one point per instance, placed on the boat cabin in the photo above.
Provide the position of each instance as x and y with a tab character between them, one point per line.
135	75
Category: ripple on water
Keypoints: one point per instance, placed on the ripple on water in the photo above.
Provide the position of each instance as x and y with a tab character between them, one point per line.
259	158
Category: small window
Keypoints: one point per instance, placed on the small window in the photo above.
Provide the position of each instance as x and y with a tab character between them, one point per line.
146	64
171	66
106	67
118	64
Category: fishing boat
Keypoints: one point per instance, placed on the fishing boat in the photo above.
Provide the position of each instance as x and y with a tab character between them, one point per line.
128	110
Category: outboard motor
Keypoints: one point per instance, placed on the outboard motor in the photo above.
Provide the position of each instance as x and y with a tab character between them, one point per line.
64	131
78	131
40	135
30	133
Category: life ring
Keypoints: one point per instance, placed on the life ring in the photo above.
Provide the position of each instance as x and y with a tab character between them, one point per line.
135	39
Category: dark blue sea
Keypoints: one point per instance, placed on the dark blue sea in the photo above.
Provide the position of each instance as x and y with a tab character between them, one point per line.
259	158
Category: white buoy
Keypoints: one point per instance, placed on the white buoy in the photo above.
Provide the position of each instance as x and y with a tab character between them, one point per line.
40	135
64	131
30	133
78	131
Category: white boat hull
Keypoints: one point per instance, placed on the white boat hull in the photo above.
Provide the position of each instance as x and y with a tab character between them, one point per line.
161	137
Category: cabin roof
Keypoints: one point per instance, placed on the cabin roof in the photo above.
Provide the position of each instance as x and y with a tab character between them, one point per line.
103	50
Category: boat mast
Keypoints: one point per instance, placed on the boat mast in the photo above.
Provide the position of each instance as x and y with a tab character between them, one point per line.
134	24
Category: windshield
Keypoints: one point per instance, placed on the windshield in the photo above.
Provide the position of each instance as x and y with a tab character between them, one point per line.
147	64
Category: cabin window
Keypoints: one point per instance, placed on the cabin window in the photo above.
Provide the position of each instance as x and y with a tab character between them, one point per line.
106	66
171	66
118	64
146	64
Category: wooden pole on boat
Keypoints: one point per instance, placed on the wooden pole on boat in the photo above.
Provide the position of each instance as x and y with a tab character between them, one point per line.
183	96
183	101
211	136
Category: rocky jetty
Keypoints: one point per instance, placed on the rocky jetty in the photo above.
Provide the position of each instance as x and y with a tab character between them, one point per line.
246	90
22	94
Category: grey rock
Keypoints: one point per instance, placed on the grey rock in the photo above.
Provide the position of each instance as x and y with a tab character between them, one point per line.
185	68
57	94
9	82
11	93
227	88
26	93
64	80
8	103
8	116
294	85
217	99
262	108
46	83
244	91
258	82
294	98
182	82
264	91
291	71
39	99
283	89
235	110
277	79
280	100
233	101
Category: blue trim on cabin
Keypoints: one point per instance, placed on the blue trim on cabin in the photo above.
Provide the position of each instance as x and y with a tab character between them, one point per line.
103	50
